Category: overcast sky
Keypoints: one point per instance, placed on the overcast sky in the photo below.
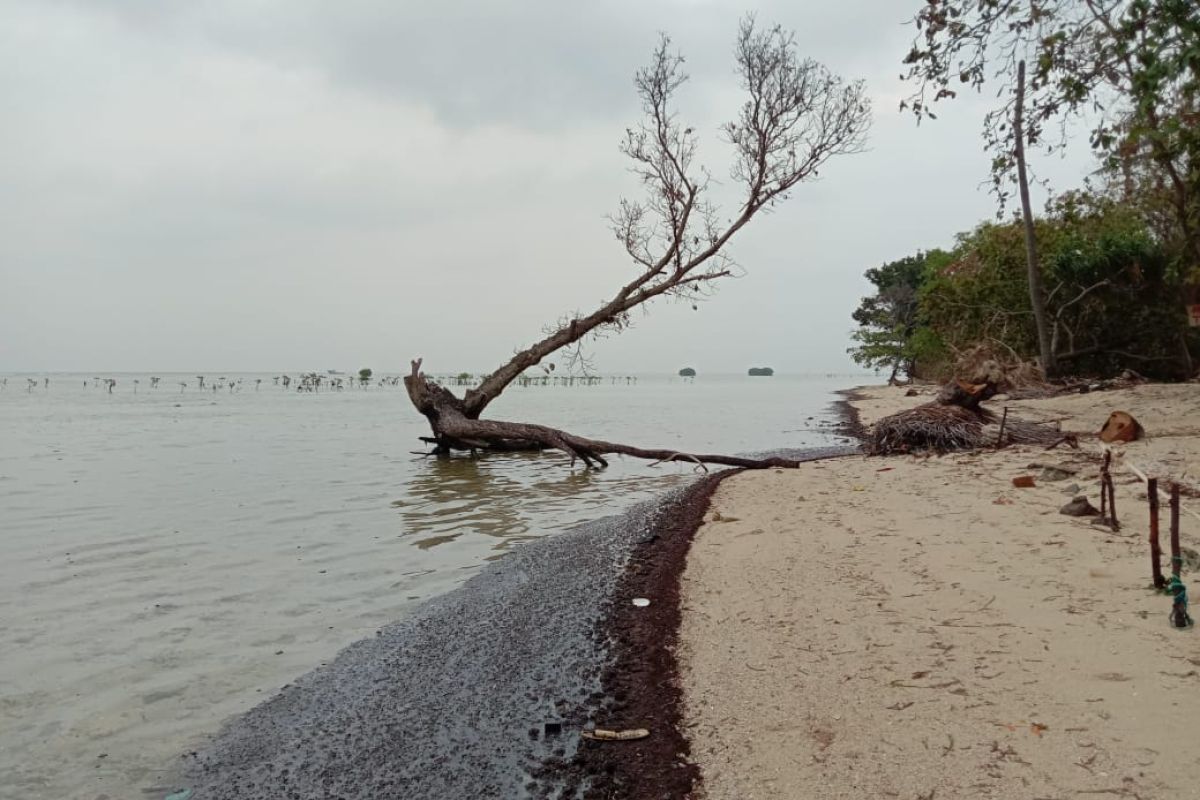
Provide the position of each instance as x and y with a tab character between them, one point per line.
294	184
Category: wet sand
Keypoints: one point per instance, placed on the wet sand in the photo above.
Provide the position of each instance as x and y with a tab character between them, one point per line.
919	628
170	558
453	701
456	700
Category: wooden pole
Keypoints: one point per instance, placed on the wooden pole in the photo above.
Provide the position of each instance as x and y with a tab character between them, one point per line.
1176	556
1104	485
1000	436
1112	502
1155	547
1179	613
1037	295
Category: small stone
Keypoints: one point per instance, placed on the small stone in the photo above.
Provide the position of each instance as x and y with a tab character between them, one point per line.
1079	507
1073	489
1055	474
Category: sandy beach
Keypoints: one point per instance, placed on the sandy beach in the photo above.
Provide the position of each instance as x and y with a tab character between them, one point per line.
917	627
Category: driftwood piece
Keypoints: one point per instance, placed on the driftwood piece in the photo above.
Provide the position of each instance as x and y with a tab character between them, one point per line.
603	735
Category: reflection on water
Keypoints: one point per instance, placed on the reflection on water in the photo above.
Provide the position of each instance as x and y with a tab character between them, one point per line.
515	497
434	541
446	496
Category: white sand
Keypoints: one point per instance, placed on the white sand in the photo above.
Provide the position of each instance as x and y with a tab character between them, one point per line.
918	628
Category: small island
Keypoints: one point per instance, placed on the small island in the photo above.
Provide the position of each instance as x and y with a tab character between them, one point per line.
764	372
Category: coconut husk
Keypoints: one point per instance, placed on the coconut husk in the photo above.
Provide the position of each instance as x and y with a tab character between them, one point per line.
1121	427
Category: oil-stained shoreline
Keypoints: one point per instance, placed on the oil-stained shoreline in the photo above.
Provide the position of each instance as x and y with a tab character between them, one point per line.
481	692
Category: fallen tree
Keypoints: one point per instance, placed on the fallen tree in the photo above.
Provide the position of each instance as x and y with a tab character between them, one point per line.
796	117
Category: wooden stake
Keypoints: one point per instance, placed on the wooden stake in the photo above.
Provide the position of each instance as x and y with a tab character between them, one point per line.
1112	503
1176	555
1155	547
1179	614
1000	436
1108	495
1104	485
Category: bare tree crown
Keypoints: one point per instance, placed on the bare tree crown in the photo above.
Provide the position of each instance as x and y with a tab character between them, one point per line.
797	115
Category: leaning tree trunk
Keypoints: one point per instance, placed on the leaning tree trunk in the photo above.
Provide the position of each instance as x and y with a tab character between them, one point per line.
1037	295
455	429
797	116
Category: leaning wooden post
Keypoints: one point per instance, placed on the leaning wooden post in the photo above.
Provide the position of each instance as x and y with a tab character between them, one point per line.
1176	555
1179	614
1000	436
1112	501
1155	548
1104	485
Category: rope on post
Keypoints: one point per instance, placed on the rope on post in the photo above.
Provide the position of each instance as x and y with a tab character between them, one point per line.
1179	611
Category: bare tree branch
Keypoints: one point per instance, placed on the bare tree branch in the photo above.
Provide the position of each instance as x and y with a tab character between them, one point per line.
798	115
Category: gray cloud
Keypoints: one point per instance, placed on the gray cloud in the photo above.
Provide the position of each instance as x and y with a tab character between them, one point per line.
295	184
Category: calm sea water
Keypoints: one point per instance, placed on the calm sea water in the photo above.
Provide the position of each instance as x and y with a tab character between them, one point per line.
170	556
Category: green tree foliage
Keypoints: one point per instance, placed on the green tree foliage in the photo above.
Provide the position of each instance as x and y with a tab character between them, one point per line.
890	335
364	375
1133	66
1112	299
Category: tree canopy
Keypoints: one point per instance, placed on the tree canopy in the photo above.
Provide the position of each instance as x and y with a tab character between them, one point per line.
1130	67
1101	262
889	319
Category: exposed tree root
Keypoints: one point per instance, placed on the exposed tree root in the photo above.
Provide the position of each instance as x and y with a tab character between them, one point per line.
957	421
